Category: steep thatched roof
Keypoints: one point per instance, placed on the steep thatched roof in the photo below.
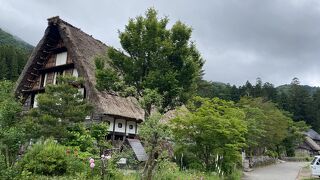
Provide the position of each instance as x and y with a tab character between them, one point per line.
312	144
169	115
313	134
82	48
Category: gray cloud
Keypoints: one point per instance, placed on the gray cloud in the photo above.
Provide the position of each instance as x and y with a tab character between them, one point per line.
240	40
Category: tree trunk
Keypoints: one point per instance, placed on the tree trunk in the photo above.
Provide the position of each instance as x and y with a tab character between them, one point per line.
7	157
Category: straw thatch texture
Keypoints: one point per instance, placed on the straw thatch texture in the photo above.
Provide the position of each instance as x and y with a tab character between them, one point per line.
82	48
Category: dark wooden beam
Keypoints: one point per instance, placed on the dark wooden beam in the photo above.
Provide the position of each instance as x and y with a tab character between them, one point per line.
34	74
57	68
39	63
27	86
48	45
47	52
31	80
33	90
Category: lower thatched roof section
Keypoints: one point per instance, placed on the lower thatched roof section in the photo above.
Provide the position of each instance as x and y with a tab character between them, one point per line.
122	106
182	110
312	144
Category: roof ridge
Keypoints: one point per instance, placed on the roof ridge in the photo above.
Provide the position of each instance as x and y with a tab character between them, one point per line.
56	20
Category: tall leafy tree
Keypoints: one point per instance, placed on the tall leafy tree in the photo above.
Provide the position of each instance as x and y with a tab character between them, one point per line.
266	117
155	57
12	131
299	100
269	92
213	130
314	111
154	134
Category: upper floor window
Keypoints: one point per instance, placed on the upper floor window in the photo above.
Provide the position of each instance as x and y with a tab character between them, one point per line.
35	101
61	58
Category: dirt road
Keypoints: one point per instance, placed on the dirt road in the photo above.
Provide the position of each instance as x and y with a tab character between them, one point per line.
280	171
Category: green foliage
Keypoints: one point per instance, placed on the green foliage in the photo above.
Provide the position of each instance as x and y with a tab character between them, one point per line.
60	108
295	136
151	98
269	119
99	131
301	101
154	135
12	61
214	131
8	39
80	137
13	56
50	158
155	58
107	78
12	131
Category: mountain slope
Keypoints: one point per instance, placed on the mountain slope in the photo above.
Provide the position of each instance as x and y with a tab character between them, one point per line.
310	89
8	39
14	53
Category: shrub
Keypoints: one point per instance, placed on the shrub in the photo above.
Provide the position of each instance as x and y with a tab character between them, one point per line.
50	158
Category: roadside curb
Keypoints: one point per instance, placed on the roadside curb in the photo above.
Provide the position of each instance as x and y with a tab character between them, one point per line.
304	173
298	176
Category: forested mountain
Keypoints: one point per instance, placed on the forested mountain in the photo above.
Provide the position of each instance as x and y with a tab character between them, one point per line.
301	101
13	55
10	40
310	89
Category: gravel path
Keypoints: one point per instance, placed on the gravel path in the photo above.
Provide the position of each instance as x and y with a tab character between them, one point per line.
280	171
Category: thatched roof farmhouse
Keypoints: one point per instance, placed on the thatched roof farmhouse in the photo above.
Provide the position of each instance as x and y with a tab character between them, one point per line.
65	49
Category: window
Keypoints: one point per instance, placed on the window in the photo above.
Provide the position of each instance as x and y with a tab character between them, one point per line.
55	78
44	80
75	73
130	126
49	78
61	58
35	101
119	125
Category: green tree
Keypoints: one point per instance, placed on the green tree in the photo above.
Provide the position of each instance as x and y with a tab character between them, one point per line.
269	92
315	111
214	131
299	101
295	136
274	122
12	132
12	61
154	134
255	137
154	57
257	91
60	109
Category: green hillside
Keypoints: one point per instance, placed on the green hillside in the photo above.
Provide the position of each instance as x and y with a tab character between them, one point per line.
14	53
8	39
310	89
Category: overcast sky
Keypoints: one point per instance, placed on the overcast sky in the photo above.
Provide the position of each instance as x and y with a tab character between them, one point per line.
240	40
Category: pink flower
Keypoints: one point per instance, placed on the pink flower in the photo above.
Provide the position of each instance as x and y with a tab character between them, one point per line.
92	165
91	160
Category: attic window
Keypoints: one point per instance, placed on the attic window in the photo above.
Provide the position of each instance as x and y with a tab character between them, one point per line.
61	58
75	73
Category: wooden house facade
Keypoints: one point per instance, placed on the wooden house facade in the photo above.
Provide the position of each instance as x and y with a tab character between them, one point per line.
65	49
